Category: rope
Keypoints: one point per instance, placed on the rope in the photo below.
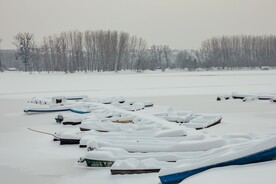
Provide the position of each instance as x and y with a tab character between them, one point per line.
43	132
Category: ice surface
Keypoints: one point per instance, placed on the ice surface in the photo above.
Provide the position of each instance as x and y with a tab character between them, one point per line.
46	161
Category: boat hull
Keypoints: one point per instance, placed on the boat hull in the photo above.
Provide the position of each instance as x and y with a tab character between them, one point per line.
213	124
79	111
134	171
45	110
71	122
266	155
98	163
69	141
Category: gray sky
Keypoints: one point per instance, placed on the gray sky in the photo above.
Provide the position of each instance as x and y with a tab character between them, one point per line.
181	24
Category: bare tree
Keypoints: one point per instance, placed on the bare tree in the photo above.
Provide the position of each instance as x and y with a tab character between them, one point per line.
239	51
122	48
1	67
141	55
25	45
167	55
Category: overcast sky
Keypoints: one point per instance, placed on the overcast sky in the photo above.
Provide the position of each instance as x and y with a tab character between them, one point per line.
181	24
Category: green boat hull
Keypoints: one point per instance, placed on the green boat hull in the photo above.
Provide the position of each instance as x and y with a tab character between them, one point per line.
98	163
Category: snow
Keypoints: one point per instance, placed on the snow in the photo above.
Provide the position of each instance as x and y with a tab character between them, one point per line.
32	158
171	133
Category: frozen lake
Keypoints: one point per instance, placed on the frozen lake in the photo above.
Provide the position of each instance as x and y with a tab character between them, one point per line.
28	157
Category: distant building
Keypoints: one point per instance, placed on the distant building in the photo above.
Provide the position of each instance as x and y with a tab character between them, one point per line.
11	69
265	67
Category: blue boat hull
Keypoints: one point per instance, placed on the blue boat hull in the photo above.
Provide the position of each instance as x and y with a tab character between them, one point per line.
41	111
79	112
266	155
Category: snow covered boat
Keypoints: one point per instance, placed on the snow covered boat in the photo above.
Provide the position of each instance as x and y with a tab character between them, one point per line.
138	134
204	121
84	108
107	125
80	110
189	119
133	107
111	100
155	145
76	97
69	137
113	154
224	97
74	137
134	166
273	99
254	151
148	103
193	149
55	104
173	115
47	109
247	97
97	163
103	158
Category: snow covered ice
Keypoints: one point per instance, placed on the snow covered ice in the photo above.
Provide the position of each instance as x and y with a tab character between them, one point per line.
34	158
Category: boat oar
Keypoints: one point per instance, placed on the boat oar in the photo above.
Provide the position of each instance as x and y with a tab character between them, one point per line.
42	132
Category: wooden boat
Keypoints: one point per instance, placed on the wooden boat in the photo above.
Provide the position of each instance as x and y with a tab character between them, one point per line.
247	153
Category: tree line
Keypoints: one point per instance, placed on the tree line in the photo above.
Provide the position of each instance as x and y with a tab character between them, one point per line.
90	51
239	51
114	51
